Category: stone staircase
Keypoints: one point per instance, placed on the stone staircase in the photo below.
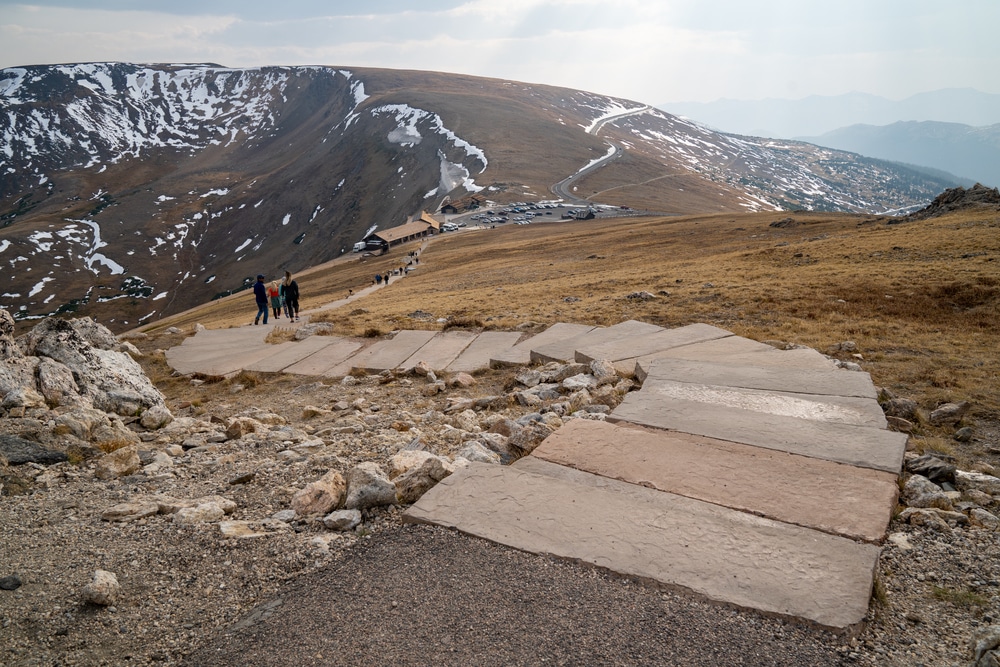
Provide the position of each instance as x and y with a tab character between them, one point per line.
748	475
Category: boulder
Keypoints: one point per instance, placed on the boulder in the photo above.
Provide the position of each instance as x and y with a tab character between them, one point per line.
416	481
461	380
111	380
476	451
18	451
524	439
603	371
903	408
156	417
342	520
984	519
921	492
203	513
241	426
118	463
367	486
976	480
322	496
103	589
932	468
949	413
55	382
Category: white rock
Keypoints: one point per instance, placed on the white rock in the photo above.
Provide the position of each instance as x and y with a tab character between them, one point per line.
204	513
103	588
342	520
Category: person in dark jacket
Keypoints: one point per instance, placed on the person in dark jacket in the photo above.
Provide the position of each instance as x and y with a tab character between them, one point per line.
291	296
260	294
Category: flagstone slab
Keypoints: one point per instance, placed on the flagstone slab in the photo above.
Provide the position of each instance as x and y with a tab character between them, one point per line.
740	351
291	352
234	336
845	443
716	552
645	344
819	407
520	354
325	359
487	345
386	354
832	497
220	362
833	382
440	351
565	350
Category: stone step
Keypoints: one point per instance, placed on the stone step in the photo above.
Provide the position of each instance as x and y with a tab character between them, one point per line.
845	443
651	343
834	382
291	352
716	552
234	336
742	352
323	361
222	360
814	493
440	351
565	350
487	345
386	354
818	407
521	354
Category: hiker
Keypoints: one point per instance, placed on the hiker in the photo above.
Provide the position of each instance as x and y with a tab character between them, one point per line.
386	278
291	296
378	278
275	295
260	294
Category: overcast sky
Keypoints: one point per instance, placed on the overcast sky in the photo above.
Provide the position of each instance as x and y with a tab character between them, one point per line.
652	51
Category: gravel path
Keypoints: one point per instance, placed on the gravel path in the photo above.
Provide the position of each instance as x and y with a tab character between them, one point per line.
420	595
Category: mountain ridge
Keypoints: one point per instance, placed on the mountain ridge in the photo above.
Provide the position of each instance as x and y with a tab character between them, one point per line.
131	191
967	151
818	114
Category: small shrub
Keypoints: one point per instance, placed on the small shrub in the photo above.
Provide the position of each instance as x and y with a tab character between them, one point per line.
248	379
463	323
959	598
373	332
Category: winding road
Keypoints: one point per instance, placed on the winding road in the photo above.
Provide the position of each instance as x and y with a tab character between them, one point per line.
564	188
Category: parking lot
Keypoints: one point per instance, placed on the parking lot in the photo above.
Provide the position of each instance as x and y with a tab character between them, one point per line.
519	213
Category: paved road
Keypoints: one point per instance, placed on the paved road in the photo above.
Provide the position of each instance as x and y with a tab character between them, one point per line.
564	188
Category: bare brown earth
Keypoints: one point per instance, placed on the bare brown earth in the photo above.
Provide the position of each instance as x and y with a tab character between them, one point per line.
920	299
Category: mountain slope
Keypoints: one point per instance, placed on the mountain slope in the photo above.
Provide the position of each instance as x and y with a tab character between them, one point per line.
132	191
971	152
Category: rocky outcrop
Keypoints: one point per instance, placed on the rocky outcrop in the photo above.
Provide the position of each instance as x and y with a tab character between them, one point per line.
74	372
978	196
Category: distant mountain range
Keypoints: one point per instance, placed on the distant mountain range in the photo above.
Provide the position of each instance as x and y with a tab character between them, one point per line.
129	192
970	152
817	115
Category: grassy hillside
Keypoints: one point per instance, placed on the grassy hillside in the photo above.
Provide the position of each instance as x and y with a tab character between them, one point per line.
920	299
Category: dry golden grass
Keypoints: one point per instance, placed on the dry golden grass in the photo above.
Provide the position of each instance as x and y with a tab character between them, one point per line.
921	299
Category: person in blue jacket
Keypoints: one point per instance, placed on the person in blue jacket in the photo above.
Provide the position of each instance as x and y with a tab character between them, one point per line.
260	293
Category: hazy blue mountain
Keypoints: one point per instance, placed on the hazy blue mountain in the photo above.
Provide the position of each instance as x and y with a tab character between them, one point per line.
969	152
816	115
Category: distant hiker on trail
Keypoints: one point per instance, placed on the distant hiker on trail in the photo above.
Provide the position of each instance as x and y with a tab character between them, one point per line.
378	278
291	296
260	294
275	295
386	278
